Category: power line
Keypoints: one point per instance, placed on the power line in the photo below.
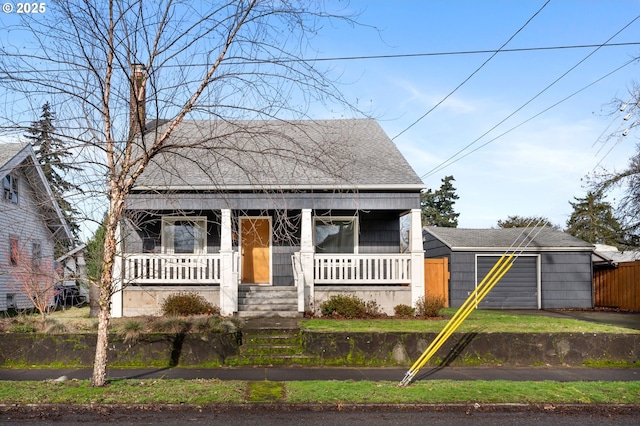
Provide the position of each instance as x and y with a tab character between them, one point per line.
472	74
448	161
362	57
459	52
446	164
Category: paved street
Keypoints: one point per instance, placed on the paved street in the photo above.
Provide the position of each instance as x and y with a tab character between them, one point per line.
561	374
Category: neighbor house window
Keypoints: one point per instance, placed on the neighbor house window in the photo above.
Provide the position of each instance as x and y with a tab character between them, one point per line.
36	255
184	235
13	250
336	235
10	188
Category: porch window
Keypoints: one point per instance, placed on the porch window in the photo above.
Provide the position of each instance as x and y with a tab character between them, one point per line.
184	235
336	235
10	188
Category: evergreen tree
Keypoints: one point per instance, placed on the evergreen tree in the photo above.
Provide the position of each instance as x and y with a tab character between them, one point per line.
593	220
95	266
53	156
437	206
526	222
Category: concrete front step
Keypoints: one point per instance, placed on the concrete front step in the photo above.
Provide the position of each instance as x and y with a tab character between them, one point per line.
269	314
268	346
268	301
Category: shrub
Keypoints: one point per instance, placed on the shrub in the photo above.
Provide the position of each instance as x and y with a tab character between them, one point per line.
24	324
343	306
429	307
22	328
372	309
185	303
53	326
171	325
404	311
131	330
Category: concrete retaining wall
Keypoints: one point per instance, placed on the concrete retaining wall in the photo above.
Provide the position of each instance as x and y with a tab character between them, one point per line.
476	348
157	350
210	350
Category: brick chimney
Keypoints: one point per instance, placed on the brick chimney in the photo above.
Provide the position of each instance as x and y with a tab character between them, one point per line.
137	113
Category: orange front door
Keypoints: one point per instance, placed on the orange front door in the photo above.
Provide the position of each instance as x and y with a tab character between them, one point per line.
256	250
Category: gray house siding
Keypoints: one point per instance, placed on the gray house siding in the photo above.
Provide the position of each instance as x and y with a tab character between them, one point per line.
325	200
567	280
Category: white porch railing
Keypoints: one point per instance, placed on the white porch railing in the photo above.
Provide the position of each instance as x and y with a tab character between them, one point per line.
362	268
172	269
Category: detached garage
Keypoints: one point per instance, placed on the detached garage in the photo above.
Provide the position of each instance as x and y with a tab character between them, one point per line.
553	272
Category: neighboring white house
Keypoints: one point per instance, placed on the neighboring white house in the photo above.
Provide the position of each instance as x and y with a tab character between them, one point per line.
31	222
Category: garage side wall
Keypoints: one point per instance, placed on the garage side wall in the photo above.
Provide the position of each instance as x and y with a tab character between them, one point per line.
567	280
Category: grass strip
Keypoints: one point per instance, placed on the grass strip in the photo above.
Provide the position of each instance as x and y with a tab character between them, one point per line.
214	391
123	392
448	391
485	321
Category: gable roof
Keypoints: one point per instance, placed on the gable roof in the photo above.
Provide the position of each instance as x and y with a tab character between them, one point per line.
273	154
503	239
22	155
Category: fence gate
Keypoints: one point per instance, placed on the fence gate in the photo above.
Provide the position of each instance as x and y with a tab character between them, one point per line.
436	278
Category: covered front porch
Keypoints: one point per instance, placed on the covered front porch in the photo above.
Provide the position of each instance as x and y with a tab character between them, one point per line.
221	273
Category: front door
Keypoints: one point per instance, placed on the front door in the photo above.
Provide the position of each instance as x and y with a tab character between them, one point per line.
255	245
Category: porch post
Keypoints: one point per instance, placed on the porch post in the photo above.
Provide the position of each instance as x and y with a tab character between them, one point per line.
417	256
228	286
116	296
306	295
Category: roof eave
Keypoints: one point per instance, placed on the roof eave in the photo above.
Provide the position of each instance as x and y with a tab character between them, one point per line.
524	249
341	187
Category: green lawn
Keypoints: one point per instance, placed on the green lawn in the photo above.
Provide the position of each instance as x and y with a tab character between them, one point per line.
484	321
215	391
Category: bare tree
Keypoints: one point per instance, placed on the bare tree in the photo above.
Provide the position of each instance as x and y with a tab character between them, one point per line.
224	60
35	276
626	179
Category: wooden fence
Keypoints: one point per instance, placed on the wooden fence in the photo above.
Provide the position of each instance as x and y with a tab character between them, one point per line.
436	278
618	287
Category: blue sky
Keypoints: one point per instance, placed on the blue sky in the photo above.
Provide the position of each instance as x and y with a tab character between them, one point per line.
535	169
538	167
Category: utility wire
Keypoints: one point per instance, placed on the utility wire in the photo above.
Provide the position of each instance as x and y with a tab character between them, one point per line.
449	161
473	73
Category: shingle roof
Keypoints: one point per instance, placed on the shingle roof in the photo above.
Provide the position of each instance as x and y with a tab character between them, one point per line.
8	151
503	239
280	154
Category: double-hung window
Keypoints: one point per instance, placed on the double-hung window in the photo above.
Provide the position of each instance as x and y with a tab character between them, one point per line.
336	235
10	188
184	235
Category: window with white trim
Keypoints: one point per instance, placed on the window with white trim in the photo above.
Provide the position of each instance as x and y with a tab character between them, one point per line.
10	188
335	235
184	235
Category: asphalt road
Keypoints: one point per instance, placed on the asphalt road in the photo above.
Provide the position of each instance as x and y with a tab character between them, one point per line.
327	415
285	374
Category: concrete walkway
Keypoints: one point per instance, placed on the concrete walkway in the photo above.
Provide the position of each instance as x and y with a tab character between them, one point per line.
560	374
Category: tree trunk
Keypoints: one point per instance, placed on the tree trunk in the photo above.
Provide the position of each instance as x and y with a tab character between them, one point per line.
106	286
100	361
